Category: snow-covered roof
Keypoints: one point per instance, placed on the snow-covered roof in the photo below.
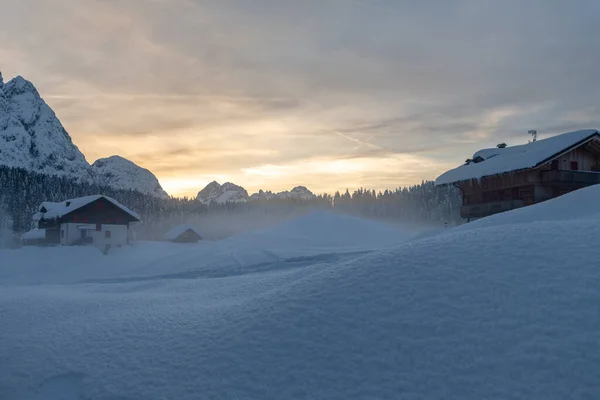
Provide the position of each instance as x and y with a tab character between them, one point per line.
34	234
176	231
500	160
58	210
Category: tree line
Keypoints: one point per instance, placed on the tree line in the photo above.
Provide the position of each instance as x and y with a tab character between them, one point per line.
22	191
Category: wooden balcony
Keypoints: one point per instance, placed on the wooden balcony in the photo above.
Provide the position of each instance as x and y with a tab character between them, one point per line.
578	178
493	207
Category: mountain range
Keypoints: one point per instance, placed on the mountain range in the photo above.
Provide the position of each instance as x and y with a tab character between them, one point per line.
32	137
231	193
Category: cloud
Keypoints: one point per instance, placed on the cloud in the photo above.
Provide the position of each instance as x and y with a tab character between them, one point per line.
198	89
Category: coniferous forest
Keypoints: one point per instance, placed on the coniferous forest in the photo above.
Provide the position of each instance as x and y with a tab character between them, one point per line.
23	191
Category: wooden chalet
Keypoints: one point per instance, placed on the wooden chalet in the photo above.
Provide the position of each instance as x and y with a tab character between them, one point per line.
92	220
504	178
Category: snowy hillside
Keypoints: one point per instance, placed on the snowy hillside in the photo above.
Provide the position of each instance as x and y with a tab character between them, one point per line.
121	173
32	137
323	307
227	192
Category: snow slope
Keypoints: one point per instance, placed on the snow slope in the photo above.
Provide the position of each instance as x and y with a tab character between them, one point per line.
120	173
320	235
32	137
501	311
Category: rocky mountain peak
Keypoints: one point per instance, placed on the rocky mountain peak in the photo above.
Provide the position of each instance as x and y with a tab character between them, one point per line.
298	193
32	137
221	194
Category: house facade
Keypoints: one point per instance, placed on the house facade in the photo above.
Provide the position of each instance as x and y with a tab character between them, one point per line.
97	220
505	178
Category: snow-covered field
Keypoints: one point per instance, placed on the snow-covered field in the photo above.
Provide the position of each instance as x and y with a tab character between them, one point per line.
322	307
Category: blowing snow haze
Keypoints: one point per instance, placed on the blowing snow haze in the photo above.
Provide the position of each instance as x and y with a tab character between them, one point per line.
299	199
274	94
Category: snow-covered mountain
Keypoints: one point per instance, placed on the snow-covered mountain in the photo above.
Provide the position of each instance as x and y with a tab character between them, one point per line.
121	173
298	193
221	194
32	137
229	192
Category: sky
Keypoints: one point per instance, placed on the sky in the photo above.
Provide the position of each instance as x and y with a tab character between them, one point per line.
329	94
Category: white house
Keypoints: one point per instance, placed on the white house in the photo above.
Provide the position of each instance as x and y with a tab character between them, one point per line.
92	220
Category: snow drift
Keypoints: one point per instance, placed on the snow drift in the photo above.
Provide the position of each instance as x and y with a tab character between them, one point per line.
506	311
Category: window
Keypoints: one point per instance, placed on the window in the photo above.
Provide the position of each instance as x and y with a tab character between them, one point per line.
62	233
107	234
98	227
574	166
554	165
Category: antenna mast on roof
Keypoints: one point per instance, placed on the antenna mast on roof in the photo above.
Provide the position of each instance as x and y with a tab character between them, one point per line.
533	133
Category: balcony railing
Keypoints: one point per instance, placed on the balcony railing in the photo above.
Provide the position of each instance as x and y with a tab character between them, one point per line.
571	177
485	209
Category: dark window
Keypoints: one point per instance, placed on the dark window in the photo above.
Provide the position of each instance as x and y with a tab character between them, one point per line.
515	193
554	165
99	206
76	218
107	234
574	166
98	227
62	233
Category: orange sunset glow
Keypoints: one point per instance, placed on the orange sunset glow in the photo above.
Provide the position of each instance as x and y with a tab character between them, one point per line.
271	95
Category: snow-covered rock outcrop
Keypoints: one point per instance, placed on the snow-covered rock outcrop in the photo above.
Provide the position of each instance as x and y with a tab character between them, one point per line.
221	194
120	173
297	193
32	137
229	192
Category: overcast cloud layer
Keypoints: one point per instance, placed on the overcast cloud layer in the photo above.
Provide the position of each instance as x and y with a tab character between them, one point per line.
328	94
